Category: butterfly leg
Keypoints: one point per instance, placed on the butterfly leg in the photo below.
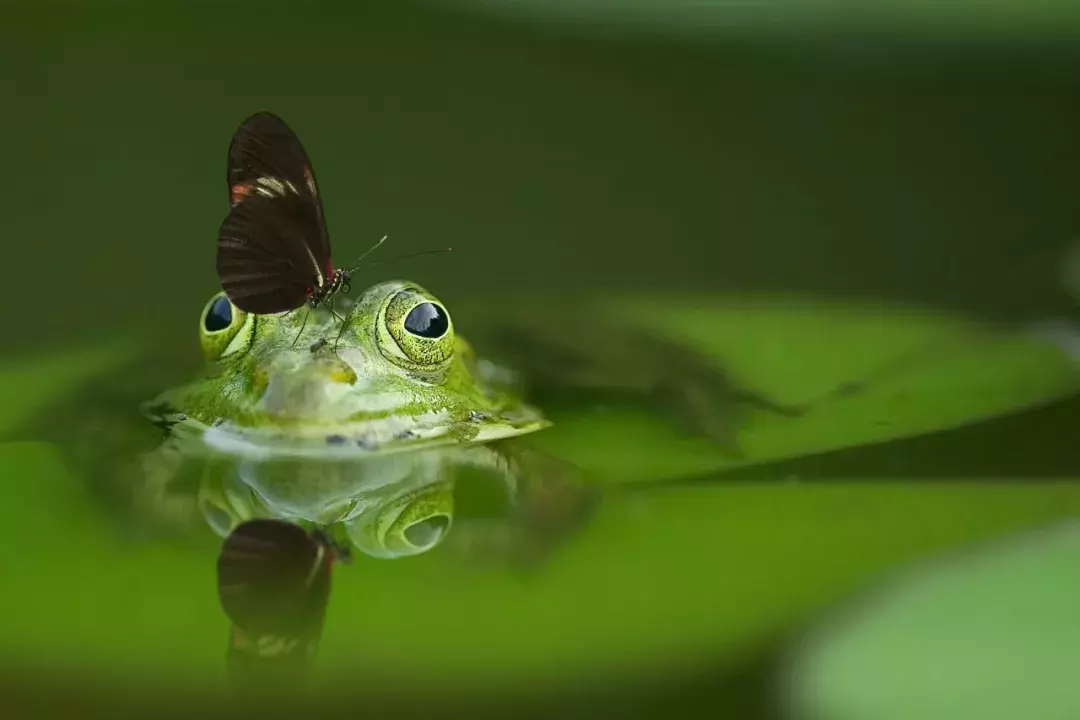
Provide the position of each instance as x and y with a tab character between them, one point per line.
302	326
341	330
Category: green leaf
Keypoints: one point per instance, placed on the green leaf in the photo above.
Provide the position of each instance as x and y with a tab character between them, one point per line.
991	633
921	372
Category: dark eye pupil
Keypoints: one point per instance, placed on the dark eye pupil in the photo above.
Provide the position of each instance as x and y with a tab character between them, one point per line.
219	316
427	320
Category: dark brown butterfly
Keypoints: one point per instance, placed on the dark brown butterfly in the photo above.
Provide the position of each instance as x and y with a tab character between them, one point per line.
274	585
273	248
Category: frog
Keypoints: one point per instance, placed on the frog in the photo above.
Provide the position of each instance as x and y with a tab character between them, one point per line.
361	420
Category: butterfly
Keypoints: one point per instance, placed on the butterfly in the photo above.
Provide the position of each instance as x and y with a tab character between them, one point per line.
274	585
273	252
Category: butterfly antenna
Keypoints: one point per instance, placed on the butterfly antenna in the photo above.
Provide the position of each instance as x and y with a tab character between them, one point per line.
373	248
400	257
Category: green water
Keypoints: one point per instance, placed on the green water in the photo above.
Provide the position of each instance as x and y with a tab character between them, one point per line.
835	176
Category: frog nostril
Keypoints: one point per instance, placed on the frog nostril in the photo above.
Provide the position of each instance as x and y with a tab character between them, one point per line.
427	532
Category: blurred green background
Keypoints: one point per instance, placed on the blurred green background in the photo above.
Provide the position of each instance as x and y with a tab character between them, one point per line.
892	160
914	152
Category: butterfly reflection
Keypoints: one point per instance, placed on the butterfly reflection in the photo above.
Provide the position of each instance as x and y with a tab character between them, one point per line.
274	586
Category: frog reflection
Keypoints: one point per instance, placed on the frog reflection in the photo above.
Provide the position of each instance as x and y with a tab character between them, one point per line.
393	507
402	506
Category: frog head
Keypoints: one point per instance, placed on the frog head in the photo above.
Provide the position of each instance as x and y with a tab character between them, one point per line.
384	374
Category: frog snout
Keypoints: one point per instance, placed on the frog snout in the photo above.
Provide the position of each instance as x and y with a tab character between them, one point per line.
308	391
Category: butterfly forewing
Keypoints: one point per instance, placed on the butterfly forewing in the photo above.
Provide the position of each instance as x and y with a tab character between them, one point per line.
265	147
273	248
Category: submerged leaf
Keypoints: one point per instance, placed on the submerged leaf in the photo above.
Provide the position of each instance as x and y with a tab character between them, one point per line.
867	374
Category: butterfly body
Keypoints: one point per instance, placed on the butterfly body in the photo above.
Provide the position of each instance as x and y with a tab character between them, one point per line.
337	282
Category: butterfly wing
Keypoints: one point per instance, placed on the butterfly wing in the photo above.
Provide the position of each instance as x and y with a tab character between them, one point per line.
274	585
274	579
273	248
264	261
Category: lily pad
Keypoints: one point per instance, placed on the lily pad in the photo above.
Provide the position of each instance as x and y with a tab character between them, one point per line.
990	633
911	371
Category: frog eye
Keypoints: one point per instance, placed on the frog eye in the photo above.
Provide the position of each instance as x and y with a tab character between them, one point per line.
416	332
408	524
427	320
224	329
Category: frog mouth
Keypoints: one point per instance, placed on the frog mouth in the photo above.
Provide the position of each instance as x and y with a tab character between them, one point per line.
362	438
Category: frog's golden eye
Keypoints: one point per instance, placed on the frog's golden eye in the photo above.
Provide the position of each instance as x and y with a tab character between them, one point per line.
224	329
416	332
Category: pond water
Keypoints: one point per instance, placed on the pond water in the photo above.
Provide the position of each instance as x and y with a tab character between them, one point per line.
868	225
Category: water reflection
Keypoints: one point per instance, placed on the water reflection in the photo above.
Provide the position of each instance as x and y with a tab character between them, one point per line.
286	521
483	502
389	507
274	586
